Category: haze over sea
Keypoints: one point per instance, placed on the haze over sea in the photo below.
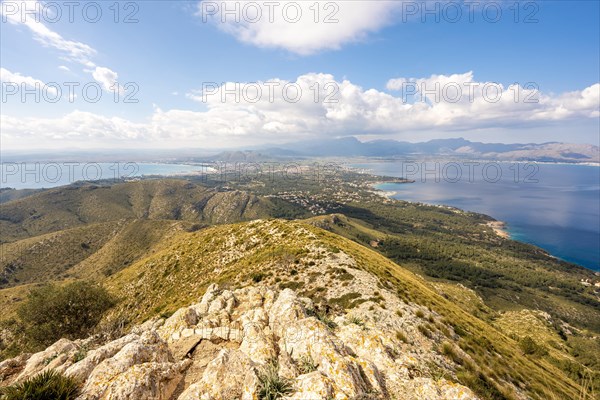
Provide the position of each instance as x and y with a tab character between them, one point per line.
44	175
553	206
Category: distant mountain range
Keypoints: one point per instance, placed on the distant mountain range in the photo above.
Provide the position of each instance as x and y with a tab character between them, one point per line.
339	147
352	147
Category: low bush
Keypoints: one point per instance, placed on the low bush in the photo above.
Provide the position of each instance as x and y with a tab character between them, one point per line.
530	347
72	311
272	386
49	385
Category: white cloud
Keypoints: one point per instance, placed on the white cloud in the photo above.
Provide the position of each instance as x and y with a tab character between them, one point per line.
64	68
27	13
301	27
107	78
16	78
250	119
24	13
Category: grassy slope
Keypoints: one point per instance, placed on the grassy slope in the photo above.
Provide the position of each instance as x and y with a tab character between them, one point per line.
443	245
9	194
85	252
507	274
231	254
71	206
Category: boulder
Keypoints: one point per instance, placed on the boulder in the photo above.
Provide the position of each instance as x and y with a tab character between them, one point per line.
82	369
40	361
149	348
312	386
156	381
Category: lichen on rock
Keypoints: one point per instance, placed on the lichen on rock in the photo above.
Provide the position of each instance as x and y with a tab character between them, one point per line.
216	349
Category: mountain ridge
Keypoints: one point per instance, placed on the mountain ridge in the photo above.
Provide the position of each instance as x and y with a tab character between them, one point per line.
476	300
458	147
370	300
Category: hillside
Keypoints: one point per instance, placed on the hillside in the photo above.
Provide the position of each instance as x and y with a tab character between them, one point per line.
458	147
508	275
9	194
84	252
157	245
368	327
79	204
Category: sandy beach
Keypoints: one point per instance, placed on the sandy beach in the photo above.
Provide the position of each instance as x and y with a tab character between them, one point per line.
499	228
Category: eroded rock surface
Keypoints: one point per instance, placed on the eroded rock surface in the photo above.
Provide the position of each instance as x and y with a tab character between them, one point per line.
220	348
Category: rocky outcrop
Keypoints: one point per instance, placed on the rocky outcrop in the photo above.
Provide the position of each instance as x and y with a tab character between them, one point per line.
221	347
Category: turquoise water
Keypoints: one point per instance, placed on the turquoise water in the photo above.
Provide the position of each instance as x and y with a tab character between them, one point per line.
553	206
53	174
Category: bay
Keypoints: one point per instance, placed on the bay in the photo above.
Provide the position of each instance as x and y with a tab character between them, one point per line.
38	175
553	206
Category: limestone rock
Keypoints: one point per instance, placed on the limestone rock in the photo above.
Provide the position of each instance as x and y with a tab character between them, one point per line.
152	380
182	347
181	319
217	350
151	324
231	375
83	368
40	361
287	308
150	348
11	367
312	386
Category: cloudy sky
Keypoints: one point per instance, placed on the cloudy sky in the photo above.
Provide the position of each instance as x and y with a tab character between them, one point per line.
219	74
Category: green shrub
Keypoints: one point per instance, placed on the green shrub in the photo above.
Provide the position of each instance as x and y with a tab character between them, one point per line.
447	349
481	385
347	301
291	285
49	385
72	311
272	386
528	346
81	354
257	277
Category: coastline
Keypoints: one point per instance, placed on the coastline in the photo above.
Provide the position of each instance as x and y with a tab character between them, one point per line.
388	194
499	228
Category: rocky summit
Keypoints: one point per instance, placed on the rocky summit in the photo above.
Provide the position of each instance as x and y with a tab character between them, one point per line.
223	347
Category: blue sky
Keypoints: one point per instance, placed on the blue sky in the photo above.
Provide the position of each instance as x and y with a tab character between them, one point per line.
175	48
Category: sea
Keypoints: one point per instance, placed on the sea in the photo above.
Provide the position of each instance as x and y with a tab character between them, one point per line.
553	206
45	175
